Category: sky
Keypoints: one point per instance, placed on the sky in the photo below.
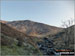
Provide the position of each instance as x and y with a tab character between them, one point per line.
43	11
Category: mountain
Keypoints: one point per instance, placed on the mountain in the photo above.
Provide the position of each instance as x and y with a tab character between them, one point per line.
32	28
20	37
2	21
14	42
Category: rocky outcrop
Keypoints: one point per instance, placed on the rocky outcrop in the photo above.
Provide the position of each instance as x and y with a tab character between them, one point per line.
46	47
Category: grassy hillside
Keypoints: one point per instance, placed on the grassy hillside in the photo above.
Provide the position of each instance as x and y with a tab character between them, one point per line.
65	39
14	42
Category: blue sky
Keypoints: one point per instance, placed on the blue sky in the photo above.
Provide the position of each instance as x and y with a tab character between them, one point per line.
48	12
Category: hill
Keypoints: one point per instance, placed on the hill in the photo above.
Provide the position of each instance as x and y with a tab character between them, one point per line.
62	41
2	21
14	42
65	39
32	28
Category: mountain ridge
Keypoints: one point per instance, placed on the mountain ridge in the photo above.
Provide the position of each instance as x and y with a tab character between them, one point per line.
34	28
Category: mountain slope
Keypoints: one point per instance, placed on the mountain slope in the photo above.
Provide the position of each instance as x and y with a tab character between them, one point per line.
2	21
34	28
16	42
61	41
65	39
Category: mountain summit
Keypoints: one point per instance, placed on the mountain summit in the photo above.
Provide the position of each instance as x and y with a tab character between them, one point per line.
34	28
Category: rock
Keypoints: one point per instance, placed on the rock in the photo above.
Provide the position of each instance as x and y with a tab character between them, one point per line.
46	46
